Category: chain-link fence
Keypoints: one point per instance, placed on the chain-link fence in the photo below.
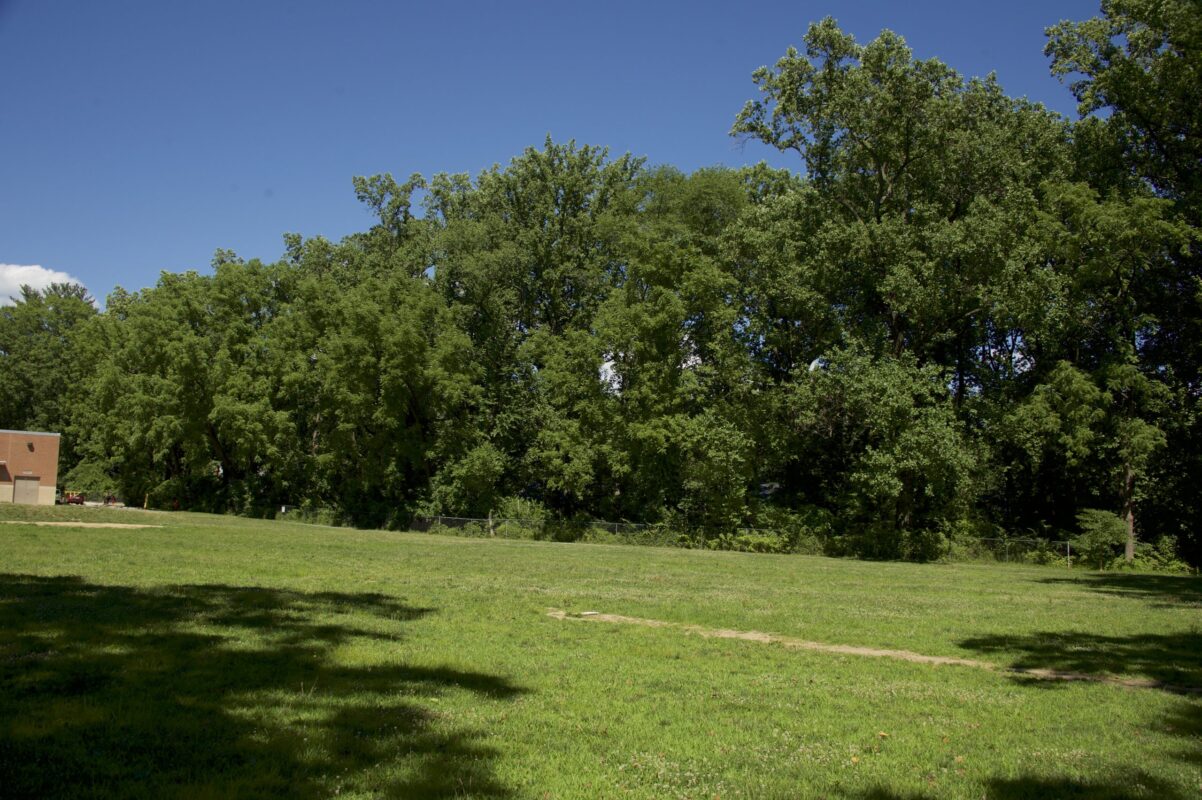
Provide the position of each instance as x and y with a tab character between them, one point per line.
490	524
557	530
1015	551
764	540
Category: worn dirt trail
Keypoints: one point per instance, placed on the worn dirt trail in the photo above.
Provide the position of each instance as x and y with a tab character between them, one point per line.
870	652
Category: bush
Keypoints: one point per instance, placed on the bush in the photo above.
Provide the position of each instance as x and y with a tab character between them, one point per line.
885	541
472	530
519	509
759	543
1158	557
923	544
1102	534
967	548
748	542
1045	554
595	534
311	515
514	529
91	479
562	531
723	541
806	530
808	544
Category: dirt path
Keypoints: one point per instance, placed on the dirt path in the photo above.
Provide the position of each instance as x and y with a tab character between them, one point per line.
77	524
870	652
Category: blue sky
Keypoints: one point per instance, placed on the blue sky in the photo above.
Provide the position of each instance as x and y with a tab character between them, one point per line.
137	137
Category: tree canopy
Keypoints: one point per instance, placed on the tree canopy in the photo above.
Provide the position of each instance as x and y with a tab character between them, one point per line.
961	315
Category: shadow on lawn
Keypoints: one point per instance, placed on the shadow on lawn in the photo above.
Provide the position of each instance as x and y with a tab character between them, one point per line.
1032	787
1162	590
1185	722
220	691
1171	659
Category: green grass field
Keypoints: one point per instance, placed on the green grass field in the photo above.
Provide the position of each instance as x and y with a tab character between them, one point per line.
217	657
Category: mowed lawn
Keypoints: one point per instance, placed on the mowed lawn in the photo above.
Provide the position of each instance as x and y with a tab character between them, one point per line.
216	657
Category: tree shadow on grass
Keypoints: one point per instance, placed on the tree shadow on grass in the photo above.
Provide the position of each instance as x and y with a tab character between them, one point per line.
1137	785
1170	659
1162	590
1185	722
220	691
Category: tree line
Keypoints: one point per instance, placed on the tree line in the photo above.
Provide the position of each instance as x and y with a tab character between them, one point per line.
961	314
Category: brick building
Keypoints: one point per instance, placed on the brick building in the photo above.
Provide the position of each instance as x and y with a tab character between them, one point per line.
28	467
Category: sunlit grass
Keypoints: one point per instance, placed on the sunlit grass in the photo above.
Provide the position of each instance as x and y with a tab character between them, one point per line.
221	657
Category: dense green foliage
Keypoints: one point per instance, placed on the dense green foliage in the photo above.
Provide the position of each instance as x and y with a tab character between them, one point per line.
964	314
41	359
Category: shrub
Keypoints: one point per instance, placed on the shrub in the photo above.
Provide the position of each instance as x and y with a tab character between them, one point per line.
722	541
595	534
759	543
90	478
807	543
470	530
519	509
308	513
923	544
748	542
966	548
1102	533
1045	554
883	540
1158	557
514	529
562	531
805	530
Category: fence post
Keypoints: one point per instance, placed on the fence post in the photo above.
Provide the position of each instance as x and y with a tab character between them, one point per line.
1068	554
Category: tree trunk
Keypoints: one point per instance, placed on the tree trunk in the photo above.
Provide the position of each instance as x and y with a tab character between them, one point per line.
1129	510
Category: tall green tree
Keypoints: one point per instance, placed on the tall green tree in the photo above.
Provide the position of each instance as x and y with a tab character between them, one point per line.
179	406
524	257
1136	70
676	373
911	235
1113	248
43	360
1141	61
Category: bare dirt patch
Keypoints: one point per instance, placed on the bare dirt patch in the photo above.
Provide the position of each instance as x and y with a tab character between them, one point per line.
870	652
78	524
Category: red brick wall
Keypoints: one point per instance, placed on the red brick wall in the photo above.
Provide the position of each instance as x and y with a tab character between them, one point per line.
41	460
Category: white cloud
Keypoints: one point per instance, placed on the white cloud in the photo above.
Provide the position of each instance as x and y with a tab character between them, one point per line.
12	276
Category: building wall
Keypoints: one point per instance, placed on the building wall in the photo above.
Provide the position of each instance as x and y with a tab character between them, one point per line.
29	453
